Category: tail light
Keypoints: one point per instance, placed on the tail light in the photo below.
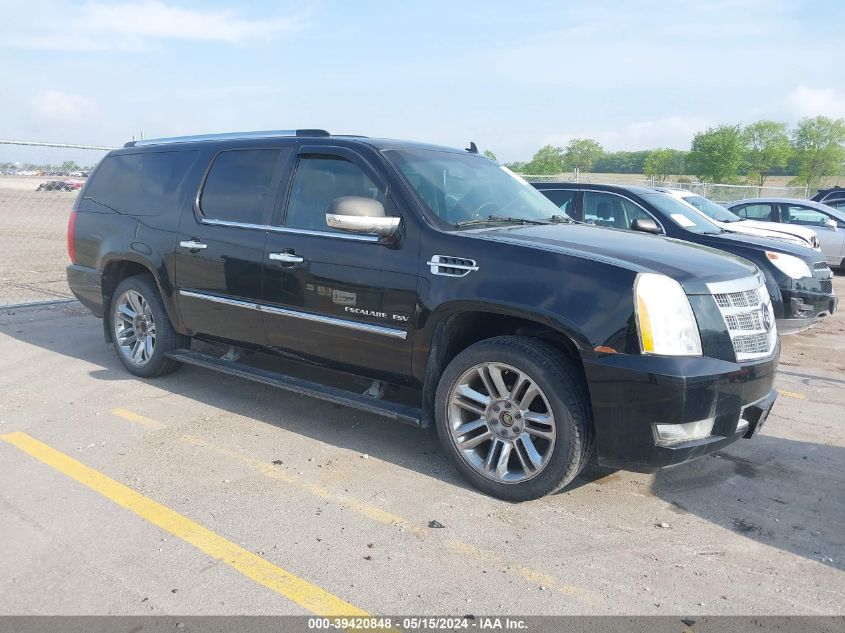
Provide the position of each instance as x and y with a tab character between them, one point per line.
71	231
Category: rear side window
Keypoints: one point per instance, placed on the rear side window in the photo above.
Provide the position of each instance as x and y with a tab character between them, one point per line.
755	212
138	184
237	187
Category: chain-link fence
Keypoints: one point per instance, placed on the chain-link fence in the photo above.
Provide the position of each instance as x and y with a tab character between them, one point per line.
38	184
714	191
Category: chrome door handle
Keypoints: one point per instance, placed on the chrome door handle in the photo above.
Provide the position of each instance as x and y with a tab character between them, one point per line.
193	245
288	258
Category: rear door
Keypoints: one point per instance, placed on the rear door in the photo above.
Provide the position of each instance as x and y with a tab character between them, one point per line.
220	250
337	297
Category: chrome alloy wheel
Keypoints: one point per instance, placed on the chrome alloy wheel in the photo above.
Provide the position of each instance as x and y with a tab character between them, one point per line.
134	327
501	423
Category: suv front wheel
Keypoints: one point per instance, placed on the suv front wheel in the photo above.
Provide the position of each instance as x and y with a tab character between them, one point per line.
141	330
513	415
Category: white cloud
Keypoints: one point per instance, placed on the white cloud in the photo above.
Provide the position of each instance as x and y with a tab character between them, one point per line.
135	25
63	107
809	102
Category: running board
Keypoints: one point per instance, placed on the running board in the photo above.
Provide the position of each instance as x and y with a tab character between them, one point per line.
399	412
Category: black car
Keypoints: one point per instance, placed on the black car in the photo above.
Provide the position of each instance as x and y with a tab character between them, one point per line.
532	343
798	279
58	185
832	197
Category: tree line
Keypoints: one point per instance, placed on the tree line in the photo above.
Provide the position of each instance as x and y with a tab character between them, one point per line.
813	150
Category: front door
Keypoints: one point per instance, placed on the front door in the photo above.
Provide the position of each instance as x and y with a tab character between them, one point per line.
220	250
337	297
832	241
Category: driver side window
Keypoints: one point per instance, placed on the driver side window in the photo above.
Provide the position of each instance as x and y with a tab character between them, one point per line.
318	180
803	216
604	209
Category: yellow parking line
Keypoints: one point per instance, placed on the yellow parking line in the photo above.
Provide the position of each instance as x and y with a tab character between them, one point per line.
792	394
254	567
529	574
155	425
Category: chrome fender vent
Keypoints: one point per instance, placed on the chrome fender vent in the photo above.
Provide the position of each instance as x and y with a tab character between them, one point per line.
449	266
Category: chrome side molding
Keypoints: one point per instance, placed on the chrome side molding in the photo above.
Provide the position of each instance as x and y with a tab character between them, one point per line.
296	314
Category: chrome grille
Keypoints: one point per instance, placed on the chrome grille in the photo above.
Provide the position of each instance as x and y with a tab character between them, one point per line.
747	312
744	299
751	344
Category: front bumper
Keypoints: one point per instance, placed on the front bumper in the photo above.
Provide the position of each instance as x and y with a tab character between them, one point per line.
806	302
630	394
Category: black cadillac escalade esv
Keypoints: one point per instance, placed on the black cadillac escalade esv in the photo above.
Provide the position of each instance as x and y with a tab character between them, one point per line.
532	343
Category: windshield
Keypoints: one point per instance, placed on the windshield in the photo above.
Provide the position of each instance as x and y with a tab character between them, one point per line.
711	209
681	214
467	190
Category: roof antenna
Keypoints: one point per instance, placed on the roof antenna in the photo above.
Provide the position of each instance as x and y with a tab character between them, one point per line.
472	149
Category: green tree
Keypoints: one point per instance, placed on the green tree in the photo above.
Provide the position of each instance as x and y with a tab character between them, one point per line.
490	155
766	147
547	160
580	154
660	162
70	165
818	144
716	154
519	166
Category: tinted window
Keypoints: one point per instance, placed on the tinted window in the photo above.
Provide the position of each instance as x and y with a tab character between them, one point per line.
317	182
755	212
605	209
563	198
139	184
804	216
238	186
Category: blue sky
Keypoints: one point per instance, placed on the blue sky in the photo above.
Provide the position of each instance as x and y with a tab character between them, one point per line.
510	76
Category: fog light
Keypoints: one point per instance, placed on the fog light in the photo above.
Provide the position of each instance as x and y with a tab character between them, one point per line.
742	425
674	433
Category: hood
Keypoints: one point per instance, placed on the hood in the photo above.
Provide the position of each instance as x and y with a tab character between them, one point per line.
692	265
804	234
740	243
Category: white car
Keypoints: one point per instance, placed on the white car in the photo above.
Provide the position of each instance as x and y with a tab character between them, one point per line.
729	221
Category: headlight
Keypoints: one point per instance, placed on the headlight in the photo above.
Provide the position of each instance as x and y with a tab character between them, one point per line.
665	322
789	265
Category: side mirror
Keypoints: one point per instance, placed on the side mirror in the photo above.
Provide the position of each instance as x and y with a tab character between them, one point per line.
356	214
831	224
645	225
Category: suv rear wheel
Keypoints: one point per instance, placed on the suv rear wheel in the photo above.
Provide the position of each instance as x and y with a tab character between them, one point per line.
513	415
141	330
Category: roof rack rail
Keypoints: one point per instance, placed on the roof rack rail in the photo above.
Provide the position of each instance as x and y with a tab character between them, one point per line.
227	136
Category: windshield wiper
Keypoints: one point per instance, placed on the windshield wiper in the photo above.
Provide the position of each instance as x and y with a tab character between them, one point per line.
499	218
565	219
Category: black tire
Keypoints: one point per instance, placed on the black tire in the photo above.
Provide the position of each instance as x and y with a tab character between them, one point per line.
564	387
166	340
